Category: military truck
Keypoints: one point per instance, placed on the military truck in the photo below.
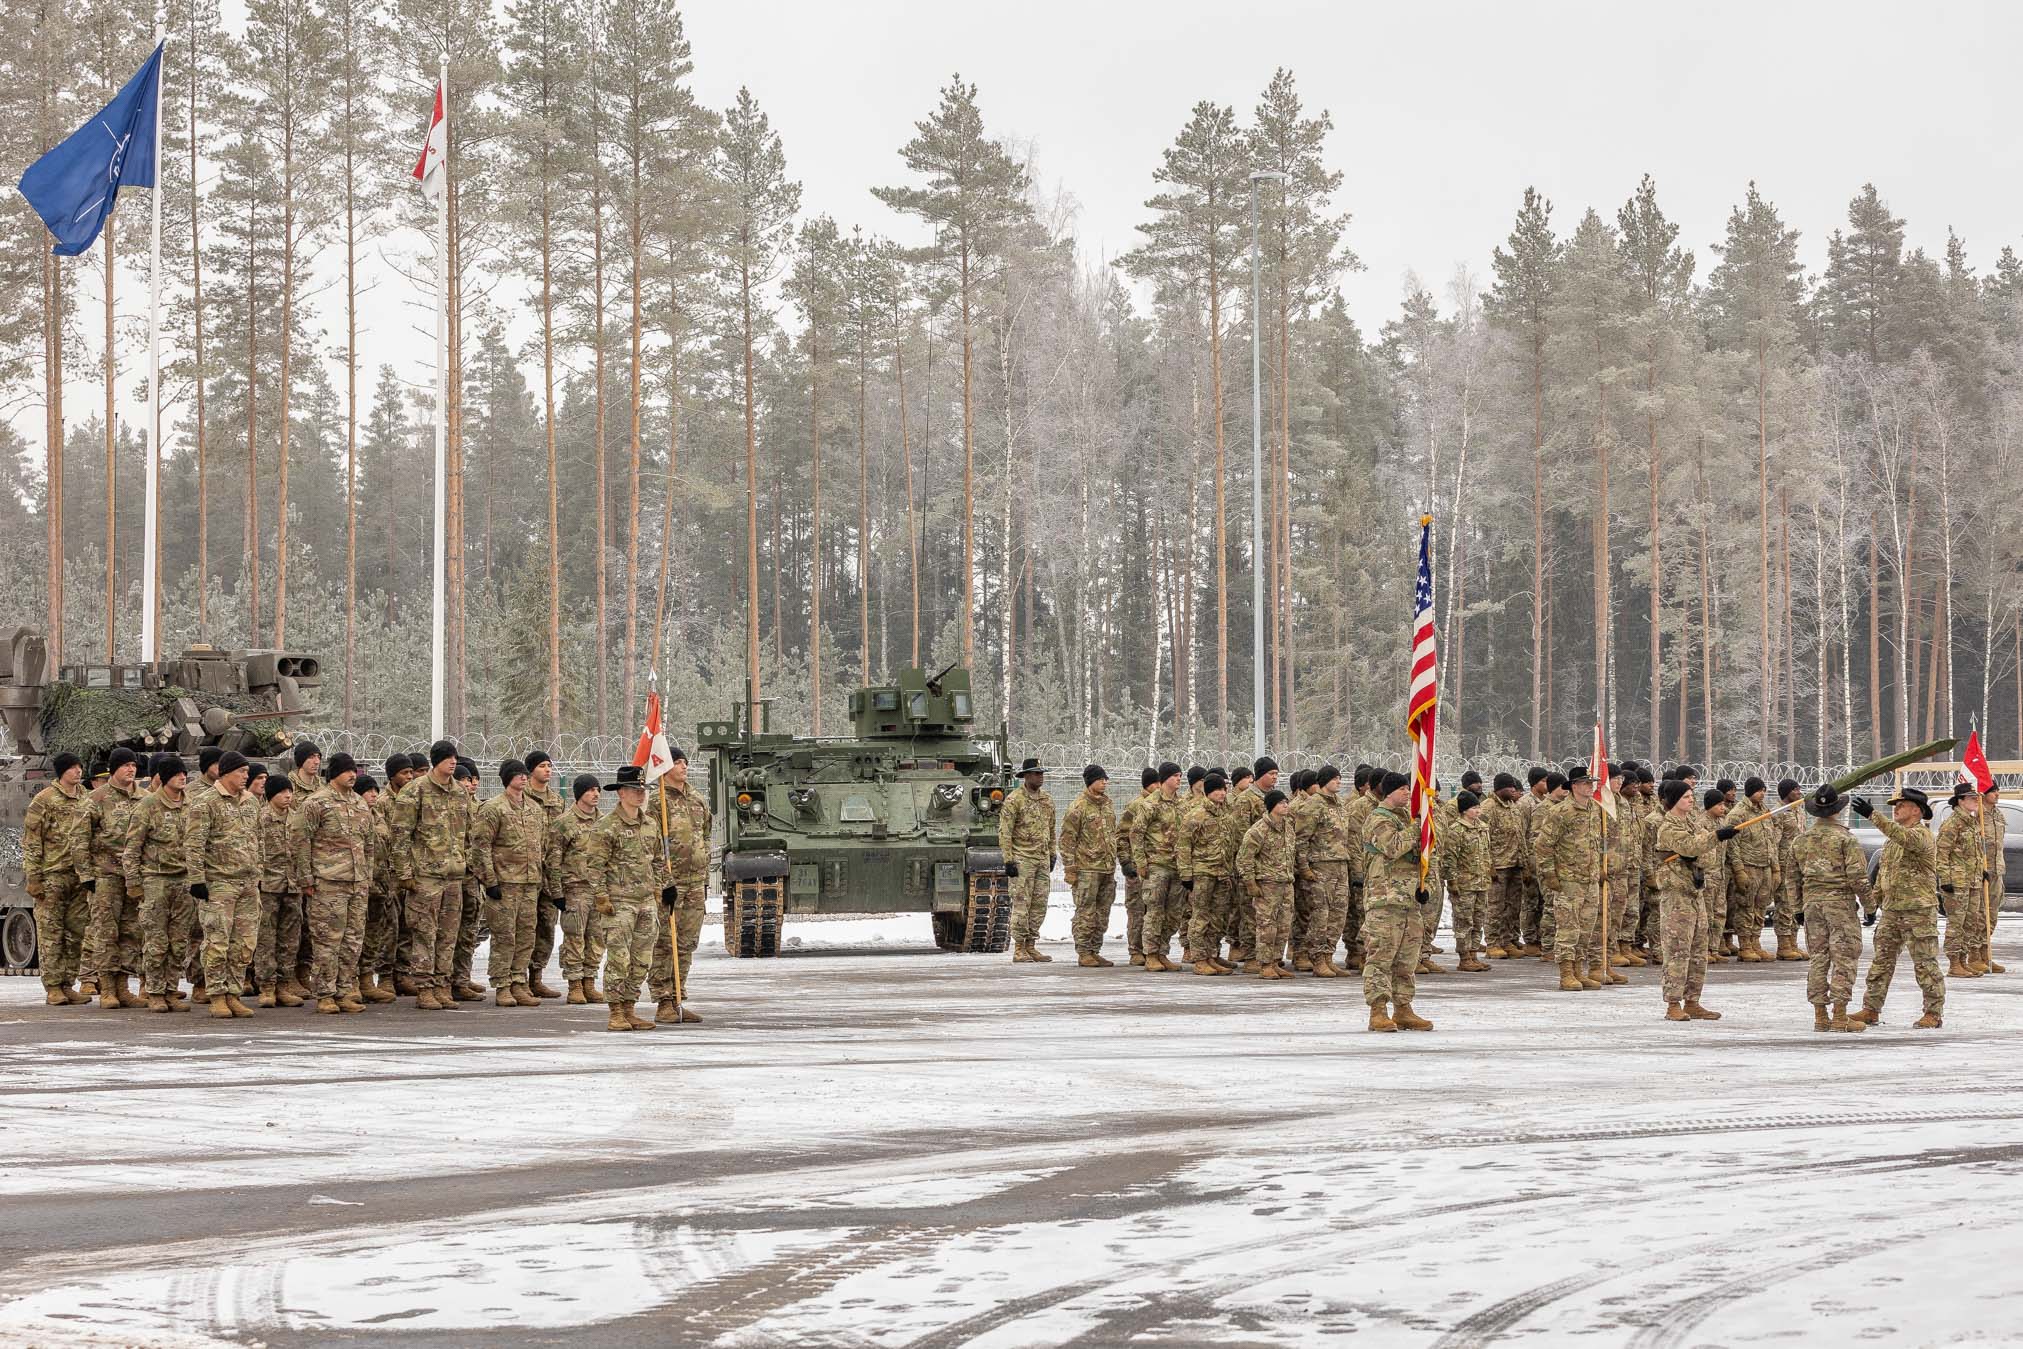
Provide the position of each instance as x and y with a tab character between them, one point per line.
898	817
249	701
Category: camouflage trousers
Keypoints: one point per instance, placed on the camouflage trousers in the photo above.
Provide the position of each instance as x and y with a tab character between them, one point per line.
435	909
1917	929
1548	920
336	920
1533	912
279	937
511	920
1506	908
680	933
1159	890
1577	920
1715	893
403	946
1352	924
382	934
1787	904
1270	904
583	936
165	911
1833	937
1391	938
1469	909
1682	919
1134	914
1328	908
1750	890
1095	896
470	921
1242	924
230	917
62	917
632	927
1429	916
1966	923
1029	901
115	929
1622	915
1213	901
546	915
1650	921
1302	912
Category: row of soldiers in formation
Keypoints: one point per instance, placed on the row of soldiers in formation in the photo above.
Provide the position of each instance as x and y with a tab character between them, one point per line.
322	887
1226	859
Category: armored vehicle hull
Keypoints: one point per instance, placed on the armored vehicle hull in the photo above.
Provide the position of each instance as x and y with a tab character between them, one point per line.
900	817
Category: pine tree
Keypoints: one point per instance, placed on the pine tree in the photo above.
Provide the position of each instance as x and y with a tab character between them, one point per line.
1863	269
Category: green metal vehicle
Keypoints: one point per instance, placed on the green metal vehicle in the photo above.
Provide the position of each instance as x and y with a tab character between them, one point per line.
899	817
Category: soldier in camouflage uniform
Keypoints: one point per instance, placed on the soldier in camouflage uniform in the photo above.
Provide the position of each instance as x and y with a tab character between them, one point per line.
280	891
1714	812
1361	803
1906	887
632	883
688	825
1684	840
509	848
1089	864
1962	863
1829	879
543	792
1247	787
431	822
1786	911
307	780
1265	870
471	924
222	868
115	915
1392	916
1206	853
1625	867
1155	841
1752	870
332	835
1468	879
583	928
1568	850
1025	833
1995	840
1503	818
1127	860
1323	856
1304	803
1532	912
56	858
375	951
154	864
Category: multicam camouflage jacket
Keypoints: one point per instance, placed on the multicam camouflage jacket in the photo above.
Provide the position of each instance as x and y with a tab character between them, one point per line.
1156	829
1089	835
569	842
1331	832
154	840
1266	852
1505	820
1209	840
509	841
1756	847
1025	827
1960	858
625	856
1390	860
332	836
111	815
56	836
1907	873
221	838
1127	826
1827	863
1568	845
431	825
1468	854
1359	810
277	852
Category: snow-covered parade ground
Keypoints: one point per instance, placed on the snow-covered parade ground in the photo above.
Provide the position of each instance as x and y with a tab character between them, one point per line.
871	1143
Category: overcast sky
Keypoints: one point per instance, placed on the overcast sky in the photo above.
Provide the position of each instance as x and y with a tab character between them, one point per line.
1444	113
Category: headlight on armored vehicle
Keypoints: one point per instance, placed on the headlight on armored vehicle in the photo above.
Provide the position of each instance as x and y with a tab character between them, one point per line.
750	803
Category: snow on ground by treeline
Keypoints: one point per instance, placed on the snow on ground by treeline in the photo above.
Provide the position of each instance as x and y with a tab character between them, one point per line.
871	1143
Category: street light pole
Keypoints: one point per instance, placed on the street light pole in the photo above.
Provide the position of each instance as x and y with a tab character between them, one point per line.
1257	476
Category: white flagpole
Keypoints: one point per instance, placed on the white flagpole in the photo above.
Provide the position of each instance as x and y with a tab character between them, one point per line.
437	679
151	598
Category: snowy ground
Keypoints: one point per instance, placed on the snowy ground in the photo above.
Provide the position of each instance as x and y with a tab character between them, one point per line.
871	1143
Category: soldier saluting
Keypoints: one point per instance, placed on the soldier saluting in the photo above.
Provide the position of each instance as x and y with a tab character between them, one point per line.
1907	884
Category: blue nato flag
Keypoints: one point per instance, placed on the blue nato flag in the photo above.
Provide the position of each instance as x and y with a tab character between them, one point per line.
75	186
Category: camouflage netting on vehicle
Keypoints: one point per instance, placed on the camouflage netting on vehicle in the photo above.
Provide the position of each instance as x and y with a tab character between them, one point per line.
89	722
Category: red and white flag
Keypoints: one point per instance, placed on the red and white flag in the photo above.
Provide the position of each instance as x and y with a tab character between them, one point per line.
428	170
1598	769
652	752
1975	762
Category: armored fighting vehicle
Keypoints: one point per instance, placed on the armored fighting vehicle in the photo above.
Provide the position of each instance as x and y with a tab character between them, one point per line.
899	817
249	701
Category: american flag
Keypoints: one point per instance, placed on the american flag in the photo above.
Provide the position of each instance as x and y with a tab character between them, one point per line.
1423	700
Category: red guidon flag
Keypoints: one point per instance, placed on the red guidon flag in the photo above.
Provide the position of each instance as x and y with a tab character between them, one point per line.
1975	762
652	753
428	170
1598	769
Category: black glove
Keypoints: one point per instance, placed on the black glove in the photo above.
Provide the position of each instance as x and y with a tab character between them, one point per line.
1421	896
560	902
1864	809
1984	877
1130	872
1726	832
200	891
92	884
668	896
1945	889
1053	860
1011	869
492	892
1868	919
1188	886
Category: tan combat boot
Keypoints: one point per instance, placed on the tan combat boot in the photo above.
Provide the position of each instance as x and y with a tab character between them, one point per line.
405	986
1867	1016
56	997
220	1010
157	1003
238	1008
1089	960
128	997
577	997
267	995
292	987
1226	966
1590	978
88	986
350	1002
425	1000
1158	963
1569	982
1302	964
1324	968
1674	1012
467	992
637	1021
618	1020
1208	967
1843	1022
1036	955
1978	963
524	996
1959	969
1019	956
504	998
1497	953
1929	1021
199	993
541	990
1699	1013
1749	954
1273	972
1471	965
1820	1020
1405	1018
1633	957
1609	976
1995	968
1426	966
376	991
1378	1020
590	990
283	997
446	999
1138	959
327	1006
1787	948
